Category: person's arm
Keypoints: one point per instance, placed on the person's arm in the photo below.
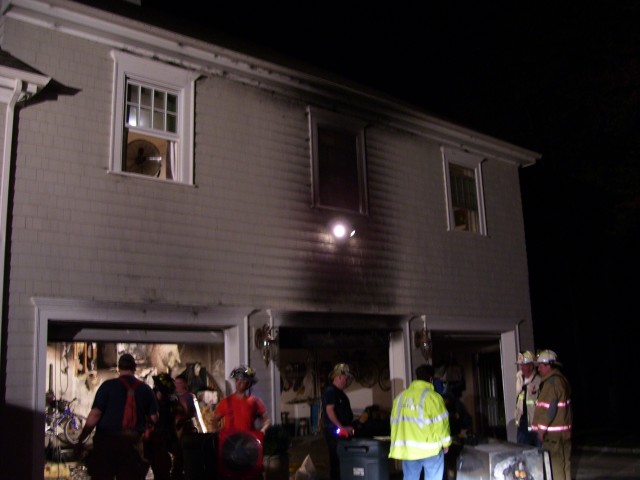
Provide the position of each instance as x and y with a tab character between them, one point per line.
92	420
331	413
264	418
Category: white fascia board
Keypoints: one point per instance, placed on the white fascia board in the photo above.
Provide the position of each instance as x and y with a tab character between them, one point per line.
143	39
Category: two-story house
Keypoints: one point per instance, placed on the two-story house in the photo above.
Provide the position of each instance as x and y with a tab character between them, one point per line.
161	189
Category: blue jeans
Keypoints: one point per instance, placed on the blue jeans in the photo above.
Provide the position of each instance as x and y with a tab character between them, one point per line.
528	438
433	467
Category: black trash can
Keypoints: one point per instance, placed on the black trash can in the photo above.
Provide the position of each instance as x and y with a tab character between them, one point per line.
199	455
364	459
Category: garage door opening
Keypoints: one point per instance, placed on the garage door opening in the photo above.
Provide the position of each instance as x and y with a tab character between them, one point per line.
79	360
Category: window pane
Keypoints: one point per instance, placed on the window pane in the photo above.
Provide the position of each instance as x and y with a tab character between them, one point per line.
172	124
464	198
172	103
145	97
145	118
132	93
158	100
132	113
158	120
338	169
463	187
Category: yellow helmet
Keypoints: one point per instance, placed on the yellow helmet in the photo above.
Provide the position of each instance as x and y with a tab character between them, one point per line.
525	357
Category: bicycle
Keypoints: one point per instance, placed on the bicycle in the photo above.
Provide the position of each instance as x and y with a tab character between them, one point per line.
63	423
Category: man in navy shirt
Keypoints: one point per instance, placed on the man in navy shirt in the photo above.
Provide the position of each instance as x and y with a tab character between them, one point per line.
337	417
116	451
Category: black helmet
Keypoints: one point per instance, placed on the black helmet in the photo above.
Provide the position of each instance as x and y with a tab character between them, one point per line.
164	383
244	372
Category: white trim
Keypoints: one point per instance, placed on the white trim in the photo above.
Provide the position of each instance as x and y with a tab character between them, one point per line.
121	316
120	32
474	162
319	117
166	77
508	352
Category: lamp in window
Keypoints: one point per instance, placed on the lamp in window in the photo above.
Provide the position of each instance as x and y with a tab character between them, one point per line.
341	230
266	340
422	340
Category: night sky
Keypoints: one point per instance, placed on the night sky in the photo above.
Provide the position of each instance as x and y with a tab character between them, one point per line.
559	78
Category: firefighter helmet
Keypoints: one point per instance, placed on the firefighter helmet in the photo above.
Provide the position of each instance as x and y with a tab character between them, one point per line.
164	383
244	372
547	357
525	357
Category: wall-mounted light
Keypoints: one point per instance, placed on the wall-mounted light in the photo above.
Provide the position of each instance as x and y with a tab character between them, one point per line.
341	230
422	340
266	340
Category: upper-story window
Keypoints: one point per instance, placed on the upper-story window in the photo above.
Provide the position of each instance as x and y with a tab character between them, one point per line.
153	119
463	181
337	162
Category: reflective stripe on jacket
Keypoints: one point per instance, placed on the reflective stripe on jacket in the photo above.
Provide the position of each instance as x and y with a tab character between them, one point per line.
532	386
419	423
553	413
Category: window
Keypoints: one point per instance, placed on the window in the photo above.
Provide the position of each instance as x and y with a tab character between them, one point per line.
338	162
463	182
153	119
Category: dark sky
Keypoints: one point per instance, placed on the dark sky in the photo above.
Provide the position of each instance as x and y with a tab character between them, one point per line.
560	78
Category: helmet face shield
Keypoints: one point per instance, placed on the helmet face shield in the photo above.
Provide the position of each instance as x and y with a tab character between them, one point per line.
244	373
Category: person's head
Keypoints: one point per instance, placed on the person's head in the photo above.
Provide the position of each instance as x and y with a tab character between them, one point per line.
164	383
245	377
126	363
546	361
341	376
182	384
526	363
425	372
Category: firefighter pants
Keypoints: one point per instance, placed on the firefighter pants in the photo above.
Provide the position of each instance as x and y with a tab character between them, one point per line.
560	453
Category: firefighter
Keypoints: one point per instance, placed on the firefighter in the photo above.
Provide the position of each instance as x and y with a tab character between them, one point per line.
527	386
420	435
553	414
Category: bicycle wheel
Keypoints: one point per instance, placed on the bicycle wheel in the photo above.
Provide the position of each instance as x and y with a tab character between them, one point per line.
72	429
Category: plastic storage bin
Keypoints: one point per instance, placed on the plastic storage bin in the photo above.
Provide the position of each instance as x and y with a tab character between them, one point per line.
364	458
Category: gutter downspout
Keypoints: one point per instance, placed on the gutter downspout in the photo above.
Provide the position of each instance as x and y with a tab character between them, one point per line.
7	152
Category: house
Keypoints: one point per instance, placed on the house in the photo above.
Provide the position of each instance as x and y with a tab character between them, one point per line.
159	189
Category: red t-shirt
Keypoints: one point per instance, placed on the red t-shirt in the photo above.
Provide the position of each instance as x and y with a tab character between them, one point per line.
240	413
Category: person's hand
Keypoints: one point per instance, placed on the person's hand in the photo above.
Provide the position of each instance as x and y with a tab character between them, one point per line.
78	450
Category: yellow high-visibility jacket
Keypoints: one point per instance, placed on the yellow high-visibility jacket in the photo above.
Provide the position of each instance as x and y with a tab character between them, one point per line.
419	423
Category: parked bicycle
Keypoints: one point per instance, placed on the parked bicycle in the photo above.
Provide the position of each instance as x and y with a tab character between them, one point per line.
61	421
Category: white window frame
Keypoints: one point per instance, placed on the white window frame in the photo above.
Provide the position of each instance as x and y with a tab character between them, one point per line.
324	118
473	162
164	77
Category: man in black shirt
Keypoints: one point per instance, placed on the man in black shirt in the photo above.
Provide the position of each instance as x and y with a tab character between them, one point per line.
337	417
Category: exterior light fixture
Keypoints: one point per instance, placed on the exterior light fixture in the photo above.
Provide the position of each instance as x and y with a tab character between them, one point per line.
342	230
422	340
266	340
